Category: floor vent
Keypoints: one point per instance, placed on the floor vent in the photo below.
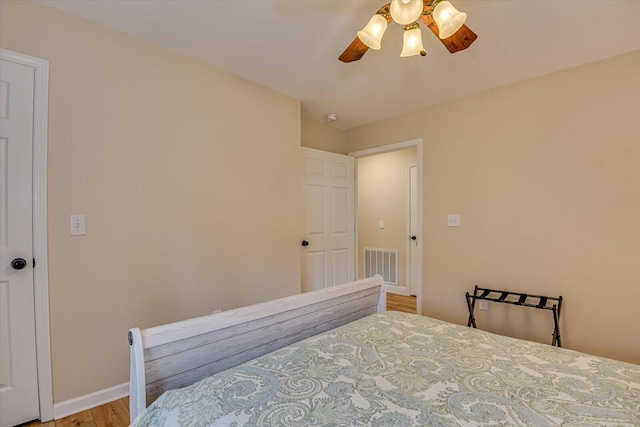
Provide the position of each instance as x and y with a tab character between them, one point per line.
383	262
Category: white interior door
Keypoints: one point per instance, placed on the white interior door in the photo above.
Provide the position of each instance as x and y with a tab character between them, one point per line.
328	223
413	233
18	369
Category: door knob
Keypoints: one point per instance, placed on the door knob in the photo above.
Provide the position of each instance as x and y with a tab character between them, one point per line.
18	263
305	243
414	238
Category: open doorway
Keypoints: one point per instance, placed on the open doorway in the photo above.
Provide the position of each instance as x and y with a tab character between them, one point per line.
388	216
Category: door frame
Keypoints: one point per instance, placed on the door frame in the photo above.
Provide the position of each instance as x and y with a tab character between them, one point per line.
408	223
385	149
41	272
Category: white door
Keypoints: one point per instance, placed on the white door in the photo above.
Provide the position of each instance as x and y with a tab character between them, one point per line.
413	233
18	373
328	223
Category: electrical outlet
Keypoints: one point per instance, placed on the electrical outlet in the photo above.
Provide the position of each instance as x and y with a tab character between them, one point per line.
453	220
483	305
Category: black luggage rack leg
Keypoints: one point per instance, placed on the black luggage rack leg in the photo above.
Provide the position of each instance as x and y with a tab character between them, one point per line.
543	302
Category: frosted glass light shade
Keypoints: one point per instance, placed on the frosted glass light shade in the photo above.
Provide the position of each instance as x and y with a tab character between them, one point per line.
448	19
371	35
412	43
404	12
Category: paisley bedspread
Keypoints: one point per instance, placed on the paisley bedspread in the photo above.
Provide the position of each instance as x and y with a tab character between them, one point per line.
398	369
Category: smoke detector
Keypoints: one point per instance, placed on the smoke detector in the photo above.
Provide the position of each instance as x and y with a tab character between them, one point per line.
331	117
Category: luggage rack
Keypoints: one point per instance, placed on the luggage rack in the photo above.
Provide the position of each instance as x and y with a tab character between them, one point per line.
539	301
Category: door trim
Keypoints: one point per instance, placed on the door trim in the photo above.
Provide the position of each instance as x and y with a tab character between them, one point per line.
384	149
408	223
41	272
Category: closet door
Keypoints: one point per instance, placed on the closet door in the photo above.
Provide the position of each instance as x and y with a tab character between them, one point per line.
18	369
328	240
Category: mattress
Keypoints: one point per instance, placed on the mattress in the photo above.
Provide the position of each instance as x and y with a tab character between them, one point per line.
400	369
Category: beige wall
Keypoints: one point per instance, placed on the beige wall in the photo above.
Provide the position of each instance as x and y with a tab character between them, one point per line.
188	208
322	136
546	177
383	195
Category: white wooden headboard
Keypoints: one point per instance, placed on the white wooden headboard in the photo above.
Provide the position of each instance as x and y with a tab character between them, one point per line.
178	354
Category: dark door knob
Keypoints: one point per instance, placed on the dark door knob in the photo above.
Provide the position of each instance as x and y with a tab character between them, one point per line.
414	238
18	263
305	243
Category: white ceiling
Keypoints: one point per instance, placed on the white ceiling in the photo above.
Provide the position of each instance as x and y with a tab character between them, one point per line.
292	46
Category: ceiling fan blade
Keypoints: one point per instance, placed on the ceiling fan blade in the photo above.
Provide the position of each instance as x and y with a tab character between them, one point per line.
460	40
354	51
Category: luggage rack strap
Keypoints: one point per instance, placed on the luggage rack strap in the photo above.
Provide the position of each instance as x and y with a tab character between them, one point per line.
544	302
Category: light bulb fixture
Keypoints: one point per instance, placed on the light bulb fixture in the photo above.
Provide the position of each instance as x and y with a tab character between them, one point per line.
448	18
404	12
439	16
412	41
371	35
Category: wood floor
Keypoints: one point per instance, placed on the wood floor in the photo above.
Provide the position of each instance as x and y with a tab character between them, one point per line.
404	303
112	414
116	414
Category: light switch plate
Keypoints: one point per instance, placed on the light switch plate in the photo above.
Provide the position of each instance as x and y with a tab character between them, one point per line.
483	305
76	225
453	220
381	224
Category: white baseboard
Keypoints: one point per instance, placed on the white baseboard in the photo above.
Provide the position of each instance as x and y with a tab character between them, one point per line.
400	290
88	401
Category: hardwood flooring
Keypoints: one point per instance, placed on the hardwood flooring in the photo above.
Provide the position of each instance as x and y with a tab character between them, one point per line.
404	303
112	414
116	414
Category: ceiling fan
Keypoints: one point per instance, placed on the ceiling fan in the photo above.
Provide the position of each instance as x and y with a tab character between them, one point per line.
444	20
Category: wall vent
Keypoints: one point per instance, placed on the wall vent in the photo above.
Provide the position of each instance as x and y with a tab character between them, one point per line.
383	262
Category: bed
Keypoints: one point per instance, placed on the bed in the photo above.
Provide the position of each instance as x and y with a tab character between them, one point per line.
336	357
